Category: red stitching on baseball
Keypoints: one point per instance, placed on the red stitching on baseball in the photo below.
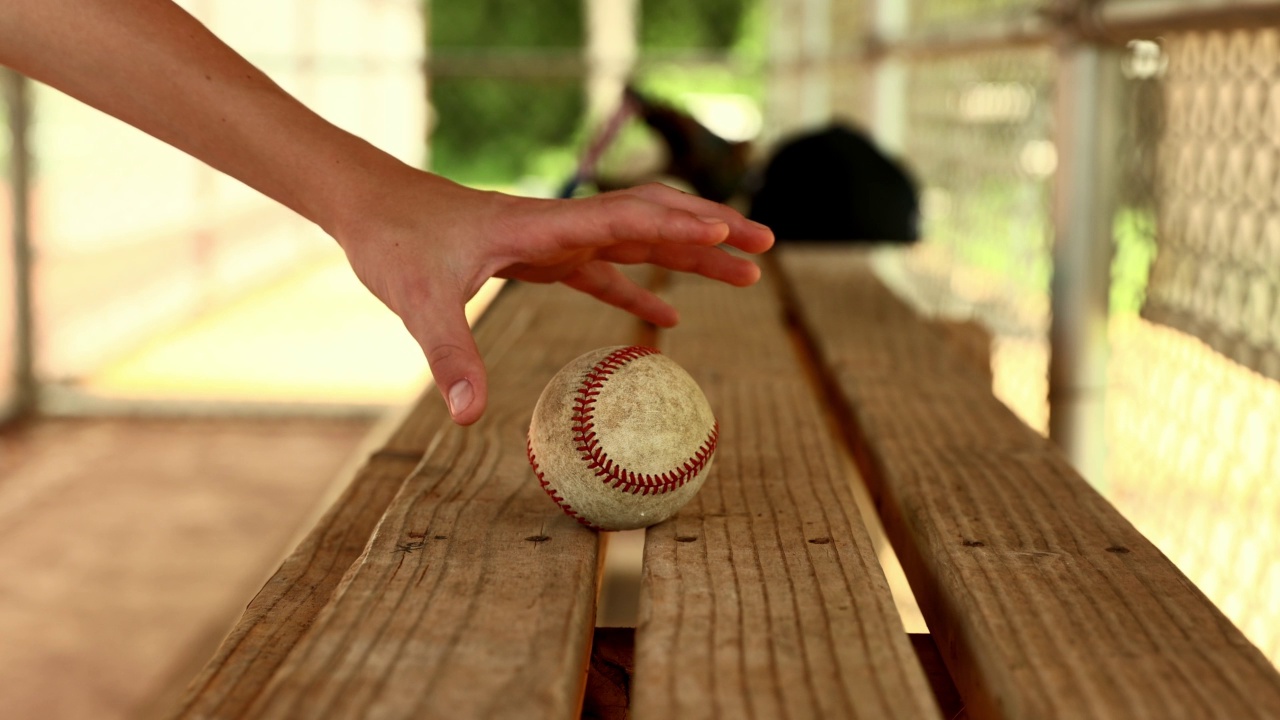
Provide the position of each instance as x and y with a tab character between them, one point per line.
609	472
546	486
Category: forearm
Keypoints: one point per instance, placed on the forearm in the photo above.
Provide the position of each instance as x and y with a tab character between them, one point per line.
150	64
421	244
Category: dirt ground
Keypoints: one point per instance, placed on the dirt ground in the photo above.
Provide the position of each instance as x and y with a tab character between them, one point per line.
128	547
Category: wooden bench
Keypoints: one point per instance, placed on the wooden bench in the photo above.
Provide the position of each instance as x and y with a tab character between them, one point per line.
444	583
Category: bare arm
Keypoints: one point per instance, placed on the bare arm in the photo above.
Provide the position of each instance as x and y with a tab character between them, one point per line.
151	64
420	243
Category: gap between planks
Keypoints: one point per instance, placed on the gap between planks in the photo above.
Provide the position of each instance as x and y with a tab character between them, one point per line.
1043	599
285	612
837	420
766	585
615	640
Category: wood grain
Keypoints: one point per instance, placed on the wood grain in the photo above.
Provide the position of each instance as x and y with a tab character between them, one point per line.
970	340
475	595
763	597
1044	601
288	603
522	337
286	606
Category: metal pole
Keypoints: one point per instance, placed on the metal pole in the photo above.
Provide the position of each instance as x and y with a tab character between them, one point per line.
782	99
611	53
1088	90
889	78
815	54
18	101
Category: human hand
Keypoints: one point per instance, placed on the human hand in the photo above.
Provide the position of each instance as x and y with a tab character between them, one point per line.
424	246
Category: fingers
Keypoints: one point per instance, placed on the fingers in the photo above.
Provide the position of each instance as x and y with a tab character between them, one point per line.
603	220
711	262
442	331
607	284
744	234
649	214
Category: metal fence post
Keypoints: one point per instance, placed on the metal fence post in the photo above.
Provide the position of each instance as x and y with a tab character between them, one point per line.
610	52
815	43
17	98
1087	129
889	77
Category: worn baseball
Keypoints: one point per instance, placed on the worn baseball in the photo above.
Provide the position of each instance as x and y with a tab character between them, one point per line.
622	438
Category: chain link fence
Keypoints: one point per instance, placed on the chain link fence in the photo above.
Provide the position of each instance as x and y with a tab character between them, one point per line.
1193	409
978	133
1218	270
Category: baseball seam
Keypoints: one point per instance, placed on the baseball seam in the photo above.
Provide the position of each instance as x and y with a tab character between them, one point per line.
588	444
551	492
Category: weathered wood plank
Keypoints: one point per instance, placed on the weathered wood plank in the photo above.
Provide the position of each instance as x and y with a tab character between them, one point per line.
763	597
1044	601
969	340
286	606
475	597
469	595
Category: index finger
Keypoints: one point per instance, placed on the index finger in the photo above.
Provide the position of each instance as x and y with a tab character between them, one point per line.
744	234
654	214
604	220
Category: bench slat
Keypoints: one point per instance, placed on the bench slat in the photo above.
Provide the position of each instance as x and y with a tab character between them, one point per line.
1043	599
287	604
475	595
763	597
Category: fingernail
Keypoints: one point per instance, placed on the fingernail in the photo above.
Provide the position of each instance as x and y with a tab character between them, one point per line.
711	220
762	226
460	396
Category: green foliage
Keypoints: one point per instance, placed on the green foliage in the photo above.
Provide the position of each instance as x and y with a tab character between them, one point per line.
494	131
1135	250
491	130
506	23
671	81
704	24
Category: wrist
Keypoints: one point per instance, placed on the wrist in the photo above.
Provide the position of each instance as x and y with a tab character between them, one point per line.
353	186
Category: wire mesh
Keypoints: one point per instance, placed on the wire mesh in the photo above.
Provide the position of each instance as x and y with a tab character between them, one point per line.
978	135
1217	272
1192	433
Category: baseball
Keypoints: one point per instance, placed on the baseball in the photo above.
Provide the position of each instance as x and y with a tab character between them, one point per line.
622	438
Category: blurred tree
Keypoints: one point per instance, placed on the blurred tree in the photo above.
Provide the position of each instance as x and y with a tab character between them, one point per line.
494	130
506	24
706	24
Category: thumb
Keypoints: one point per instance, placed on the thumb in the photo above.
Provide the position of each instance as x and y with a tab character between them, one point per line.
455	361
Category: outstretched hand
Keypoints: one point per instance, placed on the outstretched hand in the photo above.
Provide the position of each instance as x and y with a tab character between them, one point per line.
424	246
